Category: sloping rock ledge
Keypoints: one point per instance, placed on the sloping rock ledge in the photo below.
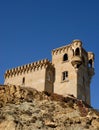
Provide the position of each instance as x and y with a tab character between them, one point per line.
24	108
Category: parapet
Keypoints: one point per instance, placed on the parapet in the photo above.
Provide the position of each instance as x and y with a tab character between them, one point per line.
73	45
60	49
28	68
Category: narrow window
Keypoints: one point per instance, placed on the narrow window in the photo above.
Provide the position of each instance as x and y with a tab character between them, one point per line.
65	57
77	52
65	75
90	63
23	81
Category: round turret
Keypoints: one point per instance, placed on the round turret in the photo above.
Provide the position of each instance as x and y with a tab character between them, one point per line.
76	61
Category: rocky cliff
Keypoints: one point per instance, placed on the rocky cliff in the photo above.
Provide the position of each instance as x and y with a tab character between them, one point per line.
28	109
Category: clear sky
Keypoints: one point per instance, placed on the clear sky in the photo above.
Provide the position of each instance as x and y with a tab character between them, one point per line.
30	29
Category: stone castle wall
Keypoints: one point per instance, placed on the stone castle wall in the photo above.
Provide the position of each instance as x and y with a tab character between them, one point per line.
30	75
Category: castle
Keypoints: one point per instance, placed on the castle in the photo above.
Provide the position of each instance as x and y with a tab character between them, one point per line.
70	72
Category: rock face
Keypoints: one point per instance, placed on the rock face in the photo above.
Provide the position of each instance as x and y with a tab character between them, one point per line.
28	109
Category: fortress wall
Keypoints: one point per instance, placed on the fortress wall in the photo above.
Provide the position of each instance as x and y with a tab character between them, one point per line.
30	75
35	79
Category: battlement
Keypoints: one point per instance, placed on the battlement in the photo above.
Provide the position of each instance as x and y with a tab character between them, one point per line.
60	49
73	45
28	68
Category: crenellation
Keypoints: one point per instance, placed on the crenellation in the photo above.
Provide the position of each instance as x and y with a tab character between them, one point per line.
35	66
77	43
60	50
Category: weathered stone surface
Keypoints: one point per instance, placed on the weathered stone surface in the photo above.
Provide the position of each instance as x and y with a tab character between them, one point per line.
28	109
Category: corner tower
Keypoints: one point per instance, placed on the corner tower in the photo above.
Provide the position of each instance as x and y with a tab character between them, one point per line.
74	68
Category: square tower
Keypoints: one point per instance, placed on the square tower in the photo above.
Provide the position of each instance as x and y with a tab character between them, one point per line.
74	68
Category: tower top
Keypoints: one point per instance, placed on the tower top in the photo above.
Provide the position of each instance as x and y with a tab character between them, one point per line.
74	44
77	40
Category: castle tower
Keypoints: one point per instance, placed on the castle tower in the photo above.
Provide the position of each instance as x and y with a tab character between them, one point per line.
74	68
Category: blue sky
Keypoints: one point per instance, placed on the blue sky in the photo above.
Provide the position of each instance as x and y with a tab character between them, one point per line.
30	29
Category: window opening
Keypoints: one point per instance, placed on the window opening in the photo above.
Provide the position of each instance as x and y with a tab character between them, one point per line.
90	63
77	52
23	81
65	75
78	66
65	57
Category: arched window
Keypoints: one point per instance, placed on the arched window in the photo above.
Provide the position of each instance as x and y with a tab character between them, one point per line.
90	63
77	52
23	81
65	57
